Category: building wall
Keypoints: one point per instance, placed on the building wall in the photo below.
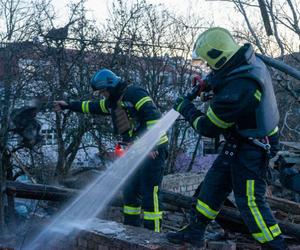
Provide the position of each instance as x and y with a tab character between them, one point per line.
185	183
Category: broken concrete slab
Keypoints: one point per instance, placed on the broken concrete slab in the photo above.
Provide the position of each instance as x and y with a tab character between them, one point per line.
221	245
101	234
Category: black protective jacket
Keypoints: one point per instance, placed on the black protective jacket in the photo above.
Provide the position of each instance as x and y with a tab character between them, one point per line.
132	114
234	104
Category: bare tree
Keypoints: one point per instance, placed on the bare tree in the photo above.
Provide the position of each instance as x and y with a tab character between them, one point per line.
17	18
284	44
69	52
154	49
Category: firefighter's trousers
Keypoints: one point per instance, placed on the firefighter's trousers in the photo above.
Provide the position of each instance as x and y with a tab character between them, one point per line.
241	169
142	193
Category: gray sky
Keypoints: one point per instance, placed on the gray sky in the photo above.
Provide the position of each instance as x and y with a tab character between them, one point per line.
217	11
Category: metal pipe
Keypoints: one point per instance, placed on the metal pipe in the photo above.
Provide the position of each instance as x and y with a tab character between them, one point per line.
280	66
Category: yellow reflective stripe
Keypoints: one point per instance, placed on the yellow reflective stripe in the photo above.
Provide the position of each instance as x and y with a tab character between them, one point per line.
156	216
151	123
122	104
216	120
153	216
275	230
163	140
155	199
102	106
206	210
156	209
195	122
274	131
130	132
257	95
132	210
85	107
178	108
255	211
260	237
141	102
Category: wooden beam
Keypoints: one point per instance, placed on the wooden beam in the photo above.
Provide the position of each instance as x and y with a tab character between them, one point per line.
284	205
228	218
38	191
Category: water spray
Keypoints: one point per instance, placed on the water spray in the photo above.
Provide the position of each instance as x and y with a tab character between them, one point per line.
96	196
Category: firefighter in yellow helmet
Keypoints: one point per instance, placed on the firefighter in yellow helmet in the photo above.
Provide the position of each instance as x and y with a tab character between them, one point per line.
244	110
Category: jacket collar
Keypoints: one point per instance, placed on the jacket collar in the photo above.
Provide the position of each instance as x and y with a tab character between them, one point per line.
244	56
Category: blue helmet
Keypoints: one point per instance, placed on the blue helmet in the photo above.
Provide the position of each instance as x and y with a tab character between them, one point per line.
104	79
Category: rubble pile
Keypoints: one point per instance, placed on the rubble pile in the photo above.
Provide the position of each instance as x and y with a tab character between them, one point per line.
227	232
286	172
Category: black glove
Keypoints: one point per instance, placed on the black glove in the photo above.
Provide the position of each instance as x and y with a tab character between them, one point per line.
187	109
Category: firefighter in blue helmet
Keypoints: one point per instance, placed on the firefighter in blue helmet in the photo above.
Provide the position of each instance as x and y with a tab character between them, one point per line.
244	110
133	112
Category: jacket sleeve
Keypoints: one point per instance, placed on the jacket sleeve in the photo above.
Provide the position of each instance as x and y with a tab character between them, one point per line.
237	99
90	107
148	113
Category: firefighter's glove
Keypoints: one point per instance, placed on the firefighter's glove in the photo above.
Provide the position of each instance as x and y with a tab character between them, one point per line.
187	109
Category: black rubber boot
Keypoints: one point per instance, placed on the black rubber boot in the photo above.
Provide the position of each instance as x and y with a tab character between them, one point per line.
192	233
150	224
277	244
132	220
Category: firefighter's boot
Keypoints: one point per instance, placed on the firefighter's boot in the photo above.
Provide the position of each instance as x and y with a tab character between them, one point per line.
192	233
132	220
277	244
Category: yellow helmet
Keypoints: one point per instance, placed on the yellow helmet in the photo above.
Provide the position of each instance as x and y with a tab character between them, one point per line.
215	46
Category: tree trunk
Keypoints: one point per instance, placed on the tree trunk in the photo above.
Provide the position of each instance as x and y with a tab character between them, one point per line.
61	161
265	17
5	105
11	222
2	194
173	149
